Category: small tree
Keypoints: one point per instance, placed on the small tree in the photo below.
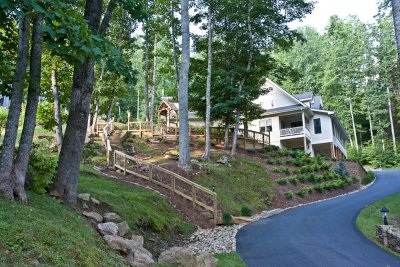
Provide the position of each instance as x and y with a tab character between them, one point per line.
341	169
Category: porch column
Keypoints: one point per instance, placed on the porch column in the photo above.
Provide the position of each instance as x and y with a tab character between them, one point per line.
168	114
304	130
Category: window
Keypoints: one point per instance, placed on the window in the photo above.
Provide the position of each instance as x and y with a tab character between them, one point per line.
266	125
317	126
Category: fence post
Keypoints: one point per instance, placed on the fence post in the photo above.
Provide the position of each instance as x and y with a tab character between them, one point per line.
124	164
173	183
194	195
150	172
254	140
115	158
263	144
215	210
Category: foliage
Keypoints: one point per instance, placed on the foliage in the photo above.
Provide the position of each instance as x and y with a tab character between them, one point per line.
302	192
42	166
341	169
47	232
227	218
281	181
246	211
3	119
91	150
369	177
45	115
288	195
377	155
231	259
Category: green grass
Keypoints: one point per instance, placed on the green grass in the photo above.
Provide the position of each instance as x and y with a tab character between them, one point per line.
140	207
229	260
370	216
48	232
245	183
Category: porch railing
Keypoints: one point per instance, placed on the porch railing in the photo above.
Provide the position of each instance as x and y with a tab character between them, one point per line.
292	131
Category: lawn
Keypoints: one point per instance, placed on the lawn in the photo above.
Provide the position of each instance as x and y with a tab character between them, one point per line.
141	208
370	216
47	233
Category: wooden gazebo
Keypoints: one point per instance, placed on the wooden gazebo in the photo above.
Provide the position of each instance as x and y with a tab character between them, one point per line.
168	112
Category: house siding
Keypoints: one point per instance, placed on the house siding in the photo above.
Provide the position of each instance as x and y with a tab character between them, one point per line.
326	135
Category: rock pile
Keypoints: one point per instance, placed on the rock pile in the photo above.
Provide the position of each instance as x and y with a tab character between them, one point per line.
220	239
187	257
116	233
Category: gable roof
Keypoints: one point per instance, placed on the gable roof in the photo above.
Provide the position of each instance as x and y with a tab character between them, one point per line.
297	101
304	96
317	104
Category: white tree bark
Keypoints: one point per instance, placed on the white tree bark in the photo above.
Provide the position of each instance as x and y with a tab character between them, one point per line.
354	126
154	90
57	108
207	150
391	122
174	49
396	20
184	139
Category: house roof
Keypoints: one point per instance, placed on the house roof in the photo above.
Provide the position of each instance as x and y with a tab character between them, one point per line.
317	104
304	96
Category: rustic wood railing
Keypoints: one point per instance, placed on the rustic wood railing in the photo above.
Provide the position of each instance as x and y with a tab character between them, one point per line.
105	137
100	126
179	185
255	137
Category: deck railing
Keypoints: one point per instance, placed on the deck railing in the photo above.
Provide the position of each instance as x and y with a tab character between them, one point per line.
177	184
106	132
292	131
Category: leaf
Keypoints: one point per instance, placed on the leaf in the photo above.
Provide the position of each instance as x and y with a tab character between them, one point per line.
55	23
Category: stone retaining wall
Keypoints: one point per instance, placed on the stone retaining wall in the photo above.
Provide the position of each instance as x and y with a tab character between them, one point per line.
389	236
355	169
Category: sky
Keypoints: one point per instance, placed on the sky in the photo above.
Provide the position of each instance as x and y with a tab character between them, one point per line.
324	9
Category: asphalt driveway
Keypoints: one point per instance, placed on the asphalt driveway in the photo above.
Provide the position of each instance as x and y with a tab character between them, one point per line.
321	234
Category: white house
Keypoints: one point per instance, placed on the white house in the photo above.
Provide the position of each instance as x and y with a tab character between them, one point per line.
300	122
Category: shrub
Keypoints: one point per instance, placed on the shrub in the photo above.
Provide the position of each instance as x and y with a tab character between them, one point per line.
293	180
91	150
284	152
246	211
200	142
310	190
269	149
281	181
270	161
98	160
302	193
318	188
42	167
368	178
278	162
227	218
341	169
289	195
302	178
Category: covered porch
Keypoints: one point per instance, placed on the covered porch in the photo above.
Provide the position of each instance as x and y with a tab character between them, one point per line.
297	143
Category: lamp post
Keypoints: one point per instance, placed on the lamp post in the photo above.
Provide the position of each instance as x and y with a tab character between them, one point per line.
384	212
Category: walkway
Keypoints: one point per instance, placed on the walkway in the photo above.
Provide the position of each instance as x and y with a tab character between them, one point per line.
321	234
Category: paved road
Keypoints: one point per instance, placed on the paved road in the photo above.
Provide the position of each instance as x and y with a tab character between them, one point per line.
321	234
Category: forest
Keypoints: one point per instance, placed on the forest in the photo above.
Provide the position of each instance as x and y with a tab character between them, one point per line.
66	63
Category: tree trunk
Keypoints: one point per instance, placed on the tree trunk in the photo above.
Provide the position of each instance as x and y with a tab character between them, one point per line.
371	128
396	20
82	88
25	143
175	56
138	105
354	126
226	137
237	123
96	111
14	112
207	151
146	72
154	91
391	122
110	108
57	108
184	139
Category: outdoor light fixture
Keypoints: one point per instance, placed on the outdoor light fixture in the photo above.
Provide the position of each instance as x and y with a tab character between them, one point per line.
213	188
384	211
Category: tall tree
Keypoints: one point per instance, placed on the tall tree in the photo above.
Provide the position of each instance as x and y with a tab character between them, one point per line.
25	143
207	151
184	139
7	154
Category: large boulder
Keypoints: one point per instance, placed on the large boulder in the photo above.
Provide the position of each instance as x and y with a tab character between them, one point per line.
139	239
108	228
112	217
187	257
123	245
140	259
93	215
123	228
